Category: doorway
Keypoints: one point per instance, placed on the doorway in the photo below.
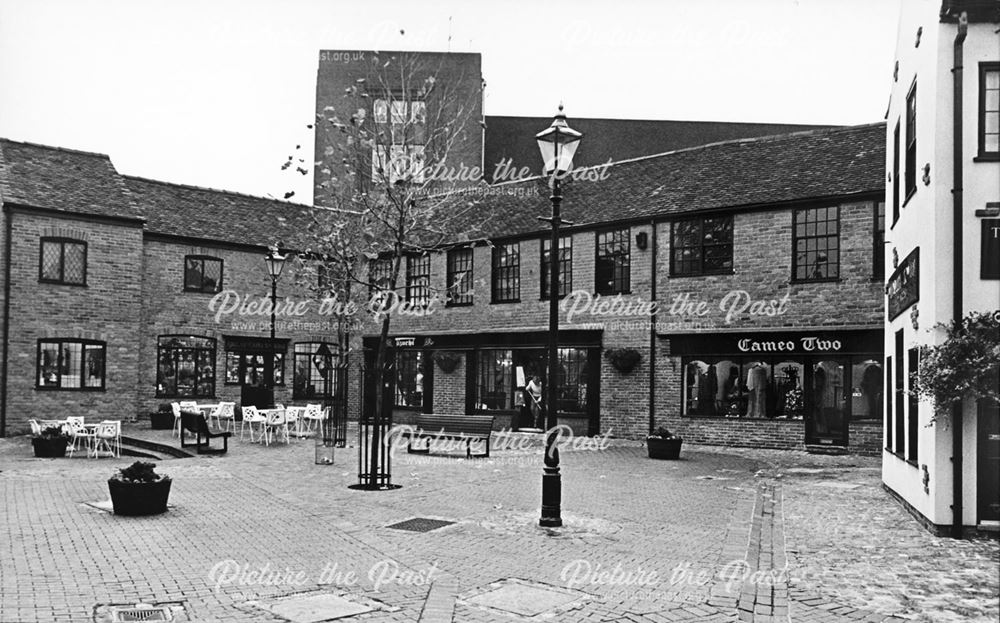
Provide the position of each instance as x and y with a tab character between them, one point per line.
826	408
988	462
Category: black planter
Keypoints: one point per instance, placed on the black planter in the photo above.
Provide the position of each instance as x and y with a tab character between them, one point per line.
161	420
139	498
667	449
49	448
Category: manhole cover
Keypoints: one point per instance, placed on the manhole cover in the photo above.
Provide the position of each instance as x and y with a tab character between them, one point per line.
315	608
527	599
420	524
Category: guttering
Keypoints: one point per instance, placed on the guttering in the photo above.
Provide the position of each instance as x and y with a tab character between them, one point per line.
652	334
8	238
957	312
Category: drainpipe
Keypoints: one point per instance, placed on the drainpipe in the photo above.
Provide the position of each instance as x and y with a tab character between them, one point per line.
8	237
956	195
652	335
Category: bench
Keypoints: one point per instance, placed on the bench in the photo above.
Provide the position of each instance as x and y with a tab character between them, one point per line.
468	427
195	423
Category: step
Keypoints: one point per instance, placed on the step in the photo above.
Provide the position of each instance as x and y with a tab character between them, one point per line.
141	448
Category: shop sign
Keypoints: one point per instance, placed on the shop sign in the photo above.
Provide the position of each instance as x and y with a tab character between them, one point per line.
806	344
405	341
778	342
991	249
903	289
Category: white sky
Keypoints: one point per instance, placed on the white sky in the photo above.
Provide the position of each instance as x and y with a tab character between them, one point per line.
216	93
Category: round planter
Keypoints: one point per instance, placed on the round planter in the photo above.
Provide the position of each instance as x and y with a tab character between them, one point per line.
667	449
49	448
161	420
139	498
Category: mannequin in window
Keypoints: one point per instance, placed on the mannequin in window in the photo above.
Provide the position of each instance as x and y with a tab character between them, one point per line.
731	393
757	390
708	388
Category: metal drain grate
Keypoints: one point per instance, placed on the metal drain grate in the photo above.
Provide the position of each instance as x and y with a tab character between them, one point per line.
140	614
420	524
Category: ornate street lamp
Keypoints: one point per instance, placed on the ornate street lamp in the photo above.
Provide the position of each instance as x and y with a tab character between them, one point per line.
275	262
558	145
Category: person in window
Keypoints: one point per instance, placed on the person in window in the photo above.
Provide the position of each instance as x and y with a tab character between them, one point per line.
534	390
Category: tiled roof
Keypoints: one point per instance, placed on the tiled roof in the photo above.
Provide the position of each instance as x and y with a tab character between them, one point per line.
745	173
513	138
197	212
62	179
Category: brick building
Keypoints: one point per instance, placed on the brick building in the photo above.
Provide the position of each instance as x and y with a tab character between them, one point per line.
763	257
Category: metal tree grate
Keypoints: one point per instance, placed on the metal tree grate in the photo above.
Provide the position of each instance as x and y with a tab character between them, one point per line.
420	524
140	614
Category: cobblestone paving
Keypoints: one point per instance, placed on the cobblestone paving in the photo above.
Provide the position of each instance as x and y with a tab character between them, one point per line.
723	535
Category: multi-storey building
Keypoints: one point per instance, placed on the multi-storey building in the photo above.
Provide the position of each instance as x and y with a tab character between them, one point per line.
943	164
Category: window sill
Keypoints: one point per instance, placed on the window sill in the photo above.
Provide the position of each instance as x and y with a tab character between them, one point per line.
987	157
909	196
807	281
407	408
212	292
505	302
912	463
623	293
748	419
727	273
469	304
186	398
53	282
69	389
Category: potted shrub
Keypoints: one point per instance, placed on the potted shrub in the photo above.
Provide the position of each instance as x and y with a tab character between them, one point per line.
50	443
162	419
139	490
663	444
623	359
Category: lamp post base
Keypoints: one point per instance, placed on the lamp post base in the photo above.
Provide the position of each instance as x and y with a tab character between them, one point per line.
551	498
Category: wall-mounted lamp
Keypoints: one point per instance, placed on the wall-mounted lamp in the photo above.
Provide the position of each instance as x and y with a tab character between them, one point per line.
642	240
927	174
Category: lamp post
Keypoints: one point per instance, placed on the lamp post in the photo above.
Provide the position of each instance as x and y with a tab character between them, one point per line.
558	144
275	262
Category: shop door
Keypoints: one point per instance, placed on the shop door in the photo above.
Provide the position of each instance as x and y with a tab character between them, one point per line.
988	463
253	390
827	408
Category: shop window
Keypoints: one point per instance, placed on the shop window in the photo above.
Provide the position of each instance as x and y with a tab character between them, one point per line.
185	367
612	268
409	378
702	246
913	415
202	274
866	390
828	398
789	398
565	266
878	242
910	166
459	276
418	279
572	380
247	368
756	386
71	364
989	111
312	365
63	261
507	273
816	241
713	388
495	382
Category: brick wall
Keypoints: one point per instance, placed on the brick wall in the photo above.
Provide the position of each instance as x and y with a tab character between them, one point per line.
106	309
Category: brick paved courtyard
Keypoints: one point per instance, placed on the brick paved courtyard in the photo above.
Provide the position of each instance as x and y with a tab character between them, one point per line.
723	535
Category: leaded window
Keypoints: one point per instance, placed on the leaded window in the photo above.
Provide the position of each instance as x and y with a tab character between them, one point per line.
71	364
63	261
202	274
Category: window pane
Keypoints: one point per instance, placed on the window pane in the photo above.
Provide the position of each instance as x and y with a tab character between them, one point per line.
409	378
380	109
74	262
788	390
93	364
496	380
48	364
866	390
757	385
72	357
212	278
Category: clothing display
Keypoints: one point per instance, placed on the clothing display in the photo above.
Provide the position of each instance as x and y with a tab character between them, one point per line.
757	391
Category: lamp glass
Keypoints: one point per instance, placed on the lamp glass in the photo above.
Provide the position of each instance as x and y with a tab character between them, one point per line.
558	144
275	263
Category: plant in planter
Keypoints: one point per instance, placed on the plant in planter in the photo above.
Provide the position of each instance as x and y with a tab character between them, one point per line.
50	443
623	359
663	444
447	360
139	490
162	419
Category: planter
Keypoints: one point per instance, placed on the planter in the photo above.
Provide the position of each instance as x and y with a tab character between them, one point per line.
161	420
667	449
49	448
139	498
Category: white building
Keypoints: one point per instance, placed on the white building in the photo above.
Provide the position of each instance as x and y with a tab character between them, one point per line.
943	160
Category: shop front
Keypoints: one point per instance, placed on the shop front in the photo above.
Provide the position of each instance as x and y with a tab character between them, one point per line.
824	380
498	374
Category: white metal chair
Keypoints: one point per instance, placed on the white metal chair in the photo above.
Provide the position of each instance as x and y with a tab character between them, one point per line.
108	436
277	423
36	428
292	418
312	416
252	416
225	411
175	407
78	432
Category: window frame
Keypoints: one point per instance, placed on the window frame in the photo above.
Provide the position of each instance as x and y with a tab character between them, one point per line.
309	355
796	215
565	267
459	259
62	242
878	242
214	349
242	365
375	270
512	274
203	259
895	174
418	294
625	287
984	155
59	365
910	147
701	271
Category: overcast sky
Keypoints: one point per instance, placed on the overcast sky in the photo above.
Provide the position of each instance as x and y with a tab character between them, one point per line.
216	93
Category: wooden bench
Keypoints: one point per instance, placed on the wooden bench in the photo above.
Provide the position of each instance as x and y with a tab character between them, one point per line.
195	423
468	427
